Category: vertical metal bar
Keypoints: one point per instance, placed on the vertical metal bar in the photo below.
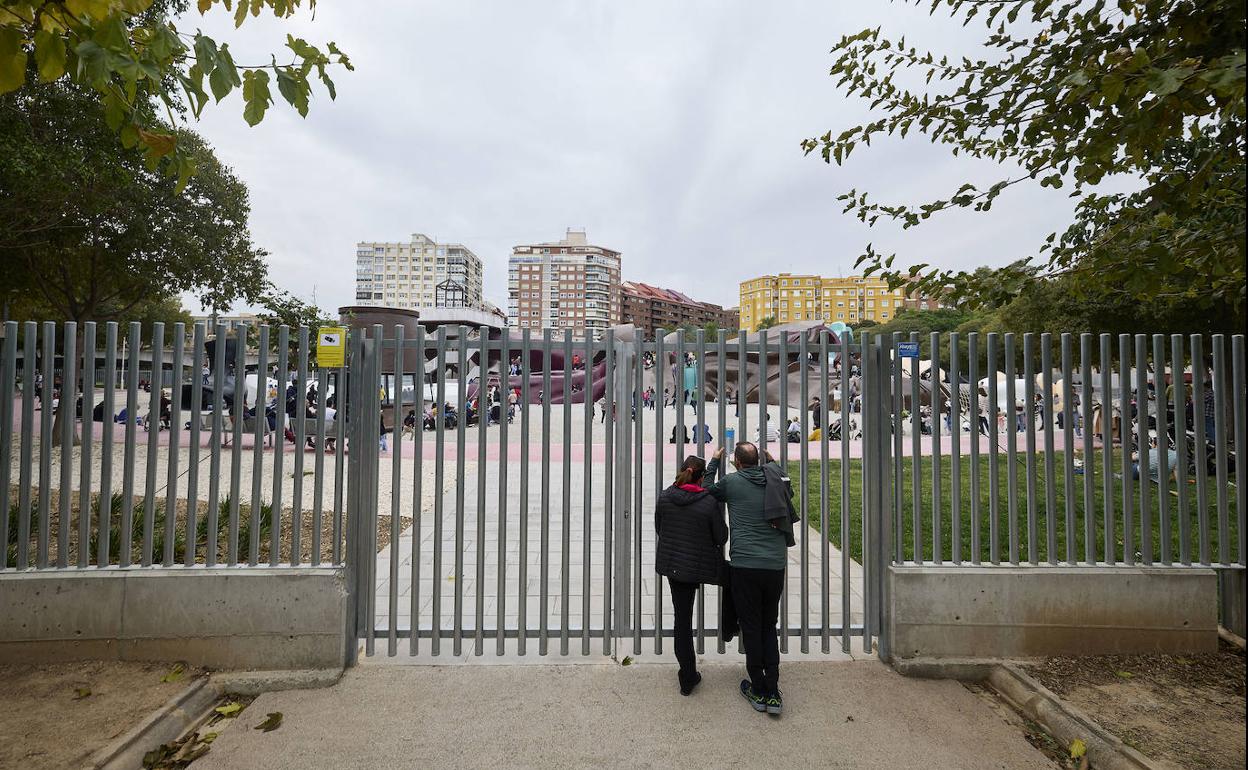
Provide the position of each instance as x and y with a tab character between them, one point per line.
461	426
371	388
896	425
153	440
994	507
30	338
418	498
237	410
936	411
955	443
45	444
175	444
803	354
1219	448
782	423
762	392
1141	432
825	504
1179	396
608	496
279	437
300	419
483	424
544	565
660	363
105	516
916	453
638	368
679	396
1050	473
340	451
1089	458
212	548
1068	448
742	385
8	381
976	420
88	440
1163	446
721	403
396	482
260	424
126	541
1124	431
871	470
66	405
844	473
565	497
1108	528
700	411
318	461
587	475
1011	450
439	470
192	458
1240	399
1029	391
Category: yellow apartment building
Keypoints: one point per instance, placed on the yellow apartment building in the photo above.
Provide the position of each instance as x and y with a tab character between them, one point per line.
790	297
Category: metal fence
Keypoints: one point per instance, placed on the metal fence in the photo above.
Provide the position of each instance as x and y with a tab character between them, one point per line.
512	502
180	449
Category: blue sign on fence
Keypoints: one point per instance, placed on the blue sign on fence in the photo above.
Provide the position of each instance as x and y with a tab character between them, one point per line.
908	349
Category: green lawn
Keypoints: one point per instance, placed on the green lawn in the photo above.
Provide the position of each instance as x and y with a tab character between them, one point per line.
964	530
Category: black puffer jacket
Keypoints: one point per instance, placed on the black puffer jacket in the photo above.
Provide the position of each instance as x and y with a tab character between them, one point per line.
691	535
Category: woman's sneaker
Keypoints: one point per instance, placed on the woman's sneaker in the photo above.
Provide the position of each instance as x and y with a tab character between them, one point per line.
754	698
774	704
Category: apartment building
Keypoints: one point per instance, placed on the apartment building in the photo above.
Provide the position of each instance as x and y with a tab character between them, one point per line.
789	297
650	308
567	284
418	274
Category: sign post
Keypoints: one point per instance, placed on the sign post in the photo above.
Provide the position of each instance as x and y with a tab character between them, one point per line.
331	346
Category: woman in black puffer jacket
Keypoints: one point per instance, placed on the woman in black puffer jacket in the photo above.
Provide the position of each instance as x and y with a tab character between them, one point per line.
689	552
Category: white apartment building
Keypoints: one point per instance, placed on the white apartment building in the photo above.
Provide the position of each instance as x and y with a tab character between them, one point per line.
567	284
419	274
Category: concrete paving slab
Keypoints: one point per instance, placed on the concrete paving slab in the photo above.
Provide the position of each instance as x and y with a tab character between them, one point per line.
840	715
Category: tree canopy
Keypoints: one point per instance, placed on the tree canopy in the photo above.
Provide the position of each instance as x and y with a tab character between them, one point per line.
1070	94
88	228
131	51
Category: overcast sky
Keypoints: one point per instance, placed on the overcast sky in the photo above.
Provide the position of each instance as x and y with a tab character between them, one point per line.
670	131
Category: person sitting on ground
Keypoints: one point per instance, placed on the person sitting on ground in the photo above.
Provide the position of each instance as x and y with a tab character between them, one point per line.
794	431
689	551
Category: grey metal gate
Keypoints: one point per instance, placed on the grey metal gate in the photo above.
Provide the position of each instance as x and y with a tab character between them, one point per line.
465	528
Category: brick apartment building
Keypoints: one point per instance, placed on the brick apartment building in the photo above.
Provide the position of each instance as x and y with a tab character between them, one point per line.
567	284
651	307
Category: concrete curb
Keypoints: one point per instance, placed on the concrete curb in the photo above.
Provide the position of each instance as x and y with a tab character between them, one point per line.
191	708
1064	722
1230	637
181	713
256	682
961	669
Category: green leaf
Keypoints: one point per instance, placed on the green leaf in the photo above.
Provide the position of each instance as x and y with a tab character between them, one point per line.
256	95
179	669
12	60
82	692
628	660
272	721
229	709
50	55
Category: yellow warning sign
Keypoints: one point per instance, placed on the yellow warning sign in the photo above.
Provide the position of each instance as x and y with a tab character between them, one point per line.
331	346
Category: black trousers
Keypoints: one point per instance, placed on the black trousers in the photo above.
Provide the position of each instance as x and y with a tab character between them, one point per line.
756	595
683	595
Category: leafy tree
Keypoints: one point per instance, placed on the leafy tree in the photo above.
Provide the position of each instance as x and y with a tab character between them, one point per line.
1075	92
281	307
866	323
88	228
130	52
766	322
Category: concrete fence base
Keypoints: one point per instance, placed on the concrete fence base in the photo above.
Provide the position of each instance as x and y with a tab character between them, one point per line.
1014	612
223	618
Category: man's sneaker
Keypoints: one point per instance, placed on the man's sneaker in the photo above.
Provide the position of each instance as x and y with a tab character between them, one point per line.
754	698
774	704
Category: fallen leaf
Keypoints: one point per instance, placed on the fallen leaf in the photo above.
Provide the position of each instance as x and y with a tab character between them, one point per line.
229	709
208	737
81	692
849	718
271	722
177	672
1123	674
628	660
1078	748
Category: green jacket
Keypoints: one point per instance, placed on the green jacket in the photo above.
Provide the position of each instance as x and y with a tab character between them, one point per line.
755	543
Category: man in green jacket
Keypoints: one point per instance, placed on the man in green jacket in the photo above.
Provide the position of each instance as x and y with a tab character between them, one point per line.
757	557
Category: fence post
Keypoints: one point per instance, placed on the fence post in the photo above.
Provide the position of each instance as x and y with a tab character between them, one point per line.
622	524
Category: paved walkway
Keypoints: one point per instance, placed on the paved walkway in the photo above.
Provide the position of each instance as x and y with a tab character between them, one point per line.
842	715
584	571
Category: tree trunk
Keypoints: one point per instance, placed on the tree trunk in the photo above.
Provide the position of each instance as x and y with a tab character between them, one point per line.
64	408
